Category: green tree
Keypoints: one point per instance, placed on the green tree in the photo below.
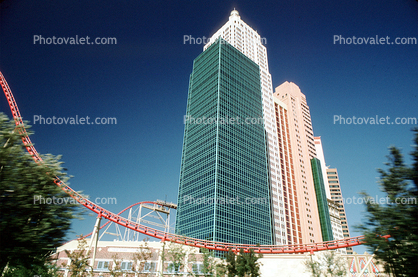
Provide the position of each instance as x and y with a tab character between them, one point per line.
176	254
46	270
212	266
253	264
231	267
397	218
241	264
220	270
244	264
30	228
328	264
313	266
79	259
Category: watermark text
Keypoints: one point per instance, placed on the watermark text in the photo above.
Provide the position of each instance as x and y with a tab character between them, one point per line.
187	119
188	199
376	40
374	120
39	39
189	39
77	120
40	200
379	200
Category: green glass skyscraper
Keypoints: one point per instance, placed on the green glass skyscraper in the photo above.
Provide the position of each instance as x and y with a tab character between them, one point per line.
224	188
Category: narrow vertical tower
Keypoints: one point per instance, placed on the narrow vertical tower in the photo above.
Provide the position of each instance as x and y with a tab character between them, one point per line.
336	195
224	192
298	183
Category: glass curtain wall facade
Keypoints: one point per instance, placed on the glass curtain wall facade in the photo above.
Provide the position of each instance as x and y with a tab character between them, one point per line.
249	42
321	200
224	191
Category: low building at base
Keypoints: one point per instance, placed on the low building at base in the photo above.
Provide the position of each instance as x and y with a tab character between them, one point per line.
138	258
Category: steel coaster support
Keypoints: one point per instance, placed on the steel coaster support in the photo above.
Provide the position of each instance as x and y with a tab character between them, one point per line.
105	231
95	239
128	231
138	220
167	224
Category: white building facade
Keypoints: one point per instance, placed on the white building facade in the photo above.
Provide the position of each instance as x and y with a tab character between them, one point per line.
121	257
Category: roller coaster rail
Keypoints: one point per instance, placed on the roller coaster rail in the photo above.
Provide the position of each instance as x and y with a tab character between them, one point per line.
165	236
158	203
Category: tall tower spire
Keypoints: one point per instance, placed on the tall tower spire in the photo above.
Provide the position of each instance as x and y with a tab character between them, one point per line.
235	13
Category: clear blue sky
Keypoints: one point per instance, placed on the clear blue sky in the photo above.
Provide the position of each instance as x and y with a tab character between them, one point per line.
143	82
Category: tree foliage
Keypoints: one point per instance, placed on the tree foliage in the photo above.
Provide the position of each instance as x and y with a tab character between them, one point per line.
212	266
313	266
398	217
141	259
231	267
29	229
328	264
44	270
115	269
176	254
79	259
243	264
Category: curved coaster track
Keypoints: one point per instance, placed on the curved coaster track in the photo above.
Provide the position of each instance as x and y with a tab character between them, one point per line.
166	236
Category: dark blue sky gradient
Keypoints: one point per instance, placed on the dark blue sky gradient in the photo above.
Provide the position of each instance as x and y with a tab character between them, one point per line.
143	82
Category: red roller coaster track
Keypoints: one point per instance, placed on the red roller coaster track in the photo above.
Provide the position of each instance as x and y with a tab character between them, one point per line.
127	208
116	218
